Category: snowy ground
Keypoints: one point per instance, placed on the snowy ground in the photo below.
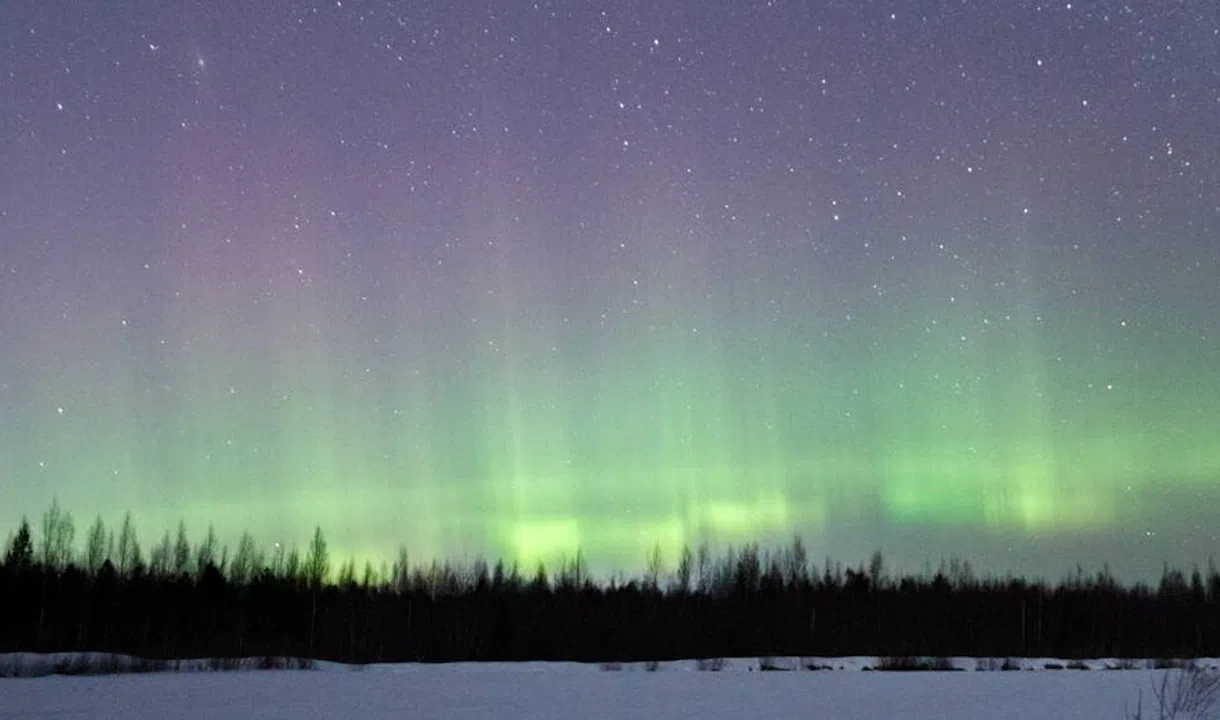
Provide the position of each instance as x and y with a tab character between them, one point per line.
560	690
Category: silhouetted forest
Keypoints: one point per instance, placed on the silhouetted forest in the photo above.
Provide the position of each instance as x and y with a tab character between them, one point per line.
182	600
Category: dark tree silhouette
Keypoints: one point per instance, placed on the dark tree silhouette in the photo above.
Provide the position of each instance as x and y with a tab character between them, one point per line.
20	553
748	602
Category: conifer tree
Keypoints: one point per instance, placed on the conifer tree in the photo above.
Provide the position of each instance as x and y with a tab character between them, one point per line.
20	553
205	555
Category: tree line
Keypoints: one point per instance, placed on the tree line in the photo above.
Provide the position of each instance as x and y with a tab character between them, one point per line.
197	600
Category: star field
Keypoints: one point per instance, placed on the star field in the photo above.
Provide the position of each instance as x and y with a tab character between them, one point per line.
513	279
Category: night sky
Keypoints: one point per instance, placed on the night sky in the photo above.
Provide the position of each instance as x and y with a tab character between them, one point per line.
505	278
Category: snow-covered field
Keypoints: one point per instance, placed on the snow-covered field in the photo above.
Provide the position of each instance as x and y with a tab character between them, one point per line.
562	690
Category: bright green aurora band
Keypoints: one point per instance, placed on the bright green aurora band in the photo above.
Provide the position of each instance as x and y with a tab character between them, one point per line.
654	428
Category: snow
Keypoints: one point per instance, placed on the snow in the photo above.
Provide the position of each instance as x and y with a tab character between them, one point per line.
571	690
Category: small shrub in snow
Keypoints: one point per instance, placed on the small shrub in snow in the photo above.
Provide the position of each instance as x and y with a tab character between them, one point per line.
769	664
1078	665
146	665
271	662
224	664
1189	693
994	664
710	664
15	668
906	663
97	664
900	663
84	664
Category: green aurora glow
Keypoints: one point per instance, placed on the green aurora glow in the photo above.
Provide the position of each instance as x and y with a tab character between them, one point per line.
717	435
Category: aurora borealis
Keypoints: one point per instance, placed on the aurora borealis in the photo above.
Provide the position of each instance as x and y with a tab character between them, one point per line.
503	278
